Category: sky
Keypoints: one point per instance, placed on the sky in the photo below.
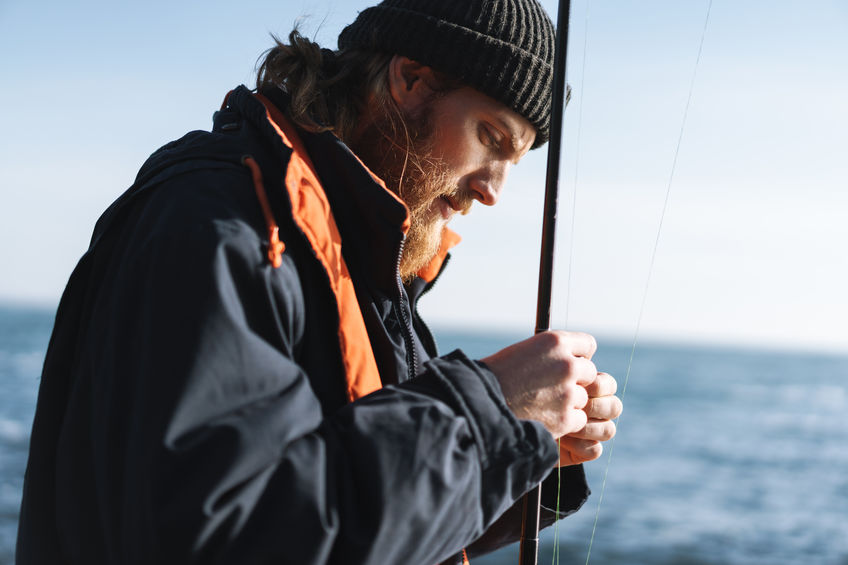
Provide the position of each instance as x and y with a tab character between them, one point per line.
752	246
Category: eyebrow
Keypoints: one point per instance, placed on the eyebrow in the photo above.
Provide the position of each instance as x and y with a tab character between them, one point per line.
514	138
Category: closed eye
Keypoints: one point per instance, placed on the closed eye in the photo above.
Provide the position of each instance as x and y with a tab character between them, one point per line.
490	136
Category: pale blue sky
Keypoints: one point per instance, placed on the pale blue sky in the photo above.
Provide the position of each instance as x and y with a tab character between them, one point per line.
753	245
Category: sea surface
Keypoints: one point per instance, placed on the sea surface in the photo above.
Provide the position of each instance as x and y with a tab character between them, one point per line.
723	456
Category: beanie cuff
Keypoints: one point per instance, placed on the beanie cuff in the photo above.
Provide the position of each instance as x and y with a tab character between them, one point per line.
514	76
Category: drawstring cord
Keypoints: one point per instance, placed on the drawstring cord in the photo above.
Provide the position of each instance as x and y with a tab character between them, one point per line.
275	246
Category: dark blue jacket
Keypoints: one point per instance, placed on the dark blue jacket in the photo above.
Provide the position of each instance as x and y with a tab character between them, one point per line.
192	407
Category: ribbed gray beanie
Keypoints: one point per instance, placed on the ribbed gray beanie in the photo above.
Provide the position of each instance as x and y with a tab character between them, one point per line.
503	48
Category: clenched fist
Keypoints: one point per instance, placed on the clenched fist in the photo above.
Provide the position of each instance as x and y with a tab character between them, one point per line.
551	378
601	409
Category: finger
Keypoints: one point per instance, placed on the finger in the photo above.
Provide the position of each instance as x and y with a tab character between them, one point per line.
604	407
573	420
596	430
577	399
573	451
604	385
584	371
578	344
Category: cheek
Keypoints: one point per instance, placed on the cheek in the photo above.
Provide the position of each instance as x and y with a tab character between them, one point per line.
458	148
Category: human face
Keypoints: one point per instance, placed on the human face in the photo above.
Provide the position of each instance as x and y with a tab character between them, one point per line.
460	147
476	140
472	142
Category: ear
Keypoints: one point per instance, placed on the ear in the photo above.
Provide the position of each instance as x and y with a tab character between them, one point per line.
410	83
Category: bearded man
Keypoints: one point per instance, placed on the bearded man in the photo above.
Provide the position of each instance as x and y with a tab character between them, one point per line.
238	371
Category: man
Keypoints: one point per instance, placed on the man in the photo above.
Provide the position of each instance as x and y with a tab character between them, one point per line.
238	372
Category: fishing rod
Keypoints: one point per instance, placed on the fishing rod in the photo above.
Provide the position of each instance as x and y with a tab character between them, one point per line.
529	550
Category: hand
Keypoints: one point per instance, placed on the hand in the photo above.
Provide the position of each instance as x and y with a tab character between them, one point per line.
602	407
544	378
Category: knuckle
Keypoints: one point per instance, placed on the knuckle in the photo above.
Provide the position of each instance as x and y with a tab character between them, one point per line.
611	429
607	431
609	408
564	421
552	339
595	450
605	385
605	407
610	383
567	366
593	344
589	339
572	421
561	424
579	397
584	396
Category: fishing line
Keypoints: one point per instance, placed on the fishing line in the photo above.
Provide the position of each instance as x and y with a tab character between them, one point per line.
576	163
650	270
555	558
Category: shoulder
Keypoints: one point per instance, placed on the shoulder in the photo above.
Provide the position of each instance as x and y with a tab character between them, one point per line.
194	184
200	233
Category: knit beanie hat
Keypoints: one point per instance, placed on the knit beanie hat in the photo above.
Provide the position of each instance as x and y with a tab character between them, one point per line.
503	48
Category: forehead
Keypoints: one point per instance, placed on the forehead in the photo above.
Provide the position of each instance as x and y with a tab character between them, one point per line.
470	104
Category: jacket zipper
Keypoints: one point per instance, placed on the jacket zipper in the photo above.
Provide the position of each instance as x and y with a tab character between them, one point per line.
411	358
434	350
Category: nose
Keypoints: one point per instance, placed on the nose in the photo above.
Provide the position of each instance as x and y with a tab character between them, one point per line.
486	185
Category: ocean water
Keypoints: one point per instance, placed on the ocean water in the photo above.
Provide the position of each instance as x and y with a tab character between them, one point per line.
723	456
24	334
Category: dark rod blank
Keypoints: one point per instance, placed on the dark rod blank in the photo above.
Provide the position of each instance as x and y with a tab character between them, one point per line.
529	551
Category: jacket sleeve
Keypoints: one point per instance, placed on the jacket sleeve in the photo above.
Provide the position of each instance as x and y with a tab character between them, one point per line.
564	491
216	446
569	485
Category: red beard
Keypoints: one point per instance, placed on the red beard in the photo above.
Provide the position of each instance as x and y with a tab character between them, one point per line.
400	151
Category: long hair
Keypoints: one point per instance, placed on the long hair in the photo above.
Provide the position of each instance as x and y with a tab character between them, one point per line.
348	93
333	90
328	90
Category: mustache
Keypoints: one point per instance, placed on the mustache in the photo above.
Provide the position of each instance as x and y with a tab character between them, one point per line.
434	180
460	200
